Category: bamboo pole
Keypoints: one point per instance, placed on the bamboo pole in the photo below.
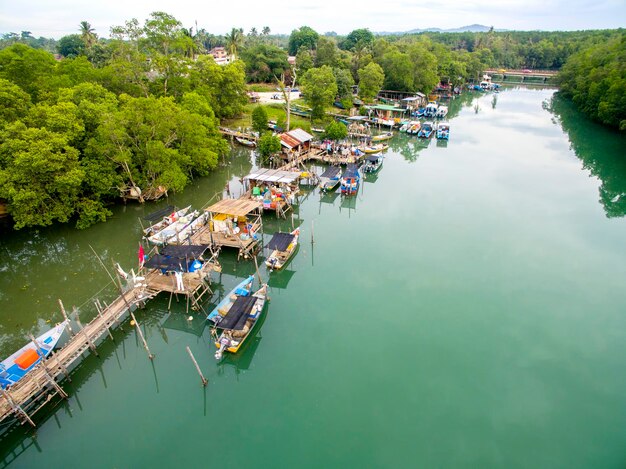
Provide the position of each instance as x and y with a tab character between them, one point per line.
193	359
16	408
312	231
139	331
103	320
69	324
256	265
91	344
45	368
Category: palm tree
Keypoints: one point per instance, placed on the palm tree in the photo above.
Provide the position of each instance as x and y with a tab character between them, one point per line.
234	40
253	32
266	31
87	34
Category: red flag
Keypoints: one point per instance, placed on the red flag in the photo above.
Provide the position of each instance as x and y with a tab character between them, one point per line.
141	255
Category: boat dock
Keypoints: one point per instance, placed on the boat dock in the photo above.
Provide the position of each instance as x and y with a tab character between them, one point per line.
41	384
235	133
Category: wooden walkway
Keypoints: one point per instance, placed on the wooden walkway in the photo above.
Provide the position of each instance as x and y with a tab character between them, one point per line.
235	133
40	385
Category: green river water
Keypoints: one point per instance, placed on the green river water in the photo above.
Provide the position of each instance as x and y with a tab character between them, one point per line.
466	309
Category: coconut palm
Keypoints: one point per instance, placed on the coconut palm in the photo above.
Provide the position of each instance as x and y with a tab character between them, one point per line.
266	31
234	41
87	34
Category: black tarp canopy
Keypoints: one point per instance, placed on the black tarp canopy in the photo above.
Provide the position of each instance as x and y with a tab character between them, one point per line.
171	264
373	158
154	216
331	172
189	251
280	241
352	171
238	313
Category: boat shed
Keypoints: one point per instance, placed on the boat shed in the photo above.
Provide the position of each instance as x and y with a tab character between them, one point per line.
296	140
387	112
233	223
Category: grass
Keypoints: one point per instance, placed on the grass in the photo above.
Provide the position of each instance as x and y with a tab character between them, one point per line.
262	87
274	112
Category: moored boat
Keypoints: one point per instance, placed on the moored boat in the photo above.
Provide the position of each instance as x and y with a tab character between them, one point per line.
173	230
330	178
382	137
442	111
242	289
443	131
246	142
239	322
166	221
431	110
284	245
376	148
373	163
414	128
350	180
426	131
15	367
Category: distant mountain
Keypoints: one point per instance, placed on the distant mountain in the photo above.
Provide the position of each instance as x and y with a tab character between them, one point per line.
472	28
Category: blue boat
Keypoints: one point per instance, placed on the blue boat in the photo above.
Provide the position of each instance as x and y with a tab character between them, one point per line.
25	359
443	131
243	289
426	131
350	180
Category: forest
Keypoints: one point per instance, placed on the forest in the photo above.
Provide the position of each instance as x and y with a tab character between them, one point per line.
84	118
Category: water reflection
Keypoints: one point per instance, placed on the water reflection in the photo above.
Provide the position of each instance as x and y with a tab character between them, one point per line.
602	151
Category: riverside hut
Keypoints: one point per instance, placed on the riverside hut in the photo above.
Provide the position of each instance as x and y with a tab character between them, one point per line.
276	189
234	223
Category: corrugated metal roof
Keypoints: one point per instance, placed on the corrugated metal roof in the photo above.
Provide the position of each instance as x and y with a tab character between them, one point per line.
273	175
289	141
300	135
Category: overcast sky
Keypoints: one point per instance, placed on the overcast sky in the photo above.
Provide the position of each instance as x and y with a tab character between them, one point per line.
60	17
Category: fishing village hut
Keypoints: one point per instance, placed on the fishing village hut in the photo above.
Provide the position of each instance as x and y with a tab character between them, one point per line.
181	270
296	142
234	223
276	189
387	114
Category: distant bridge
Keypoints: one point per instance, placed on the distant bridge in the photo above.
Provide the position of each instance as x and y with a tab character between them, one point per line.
535	77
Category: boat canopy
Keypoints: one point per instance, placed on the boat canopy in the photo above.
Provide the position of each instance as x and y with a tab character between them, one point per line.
235	207
160	213
351	171
191	251
331	172
373	158
169	264
273	176
238	313
280	241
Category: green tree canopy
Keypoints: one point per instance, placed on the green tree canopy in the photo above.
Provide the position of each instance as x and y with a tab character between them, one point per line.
371	79
71	46
264	62
363	37
319	89
336	131
303	37
259	119
267	147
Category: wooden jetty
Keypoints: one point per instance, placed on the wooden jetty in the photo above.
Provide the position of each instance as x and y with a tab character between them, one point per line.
233	223
41	384
235	133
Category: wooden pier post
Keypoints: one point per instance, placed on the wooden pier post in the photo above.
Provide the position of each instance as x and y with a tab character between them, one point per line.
193	359
98	309
143	340
16	408
312	231
256	265
45	368
91	344
69	324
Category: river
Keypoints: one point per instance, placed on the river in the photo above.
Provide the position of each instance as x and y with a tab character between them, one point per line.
466	309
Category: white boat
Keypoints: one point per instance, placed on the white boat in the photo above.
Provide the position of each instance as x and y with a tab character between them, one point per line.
284	245
170	232
414	128
329	179
166	221
15	367
442	111
431	110
188	230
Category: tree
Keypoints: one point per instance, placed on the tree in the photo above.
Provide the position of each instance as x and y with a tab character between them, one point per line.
14	102
28	68
319	89
326	52
266	31
303	37
268	146
71	46
264	62
259	119
344	82
234	41
304	60
336	131
362	36
40	176
88	34
398	70
371	79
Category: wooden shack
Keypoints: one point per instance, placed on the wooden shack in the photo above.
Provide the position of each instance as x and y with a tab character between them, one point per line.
275	189
233	223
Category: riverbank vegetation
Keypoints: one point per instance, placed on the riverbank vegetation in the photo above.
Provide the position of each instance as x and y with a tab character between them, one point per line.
140	110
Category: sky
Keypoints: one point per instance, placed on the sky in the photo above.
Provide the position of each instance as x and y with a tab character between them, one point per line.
61	17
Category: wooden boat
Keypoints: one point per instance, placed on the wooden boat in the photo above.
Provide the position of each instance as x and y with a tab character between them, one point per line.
166	221
15	367
426	131
242	289
284	245
443	131
382	137
330	178
376	148
239	322
170	232
246	142
350	180
373	163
